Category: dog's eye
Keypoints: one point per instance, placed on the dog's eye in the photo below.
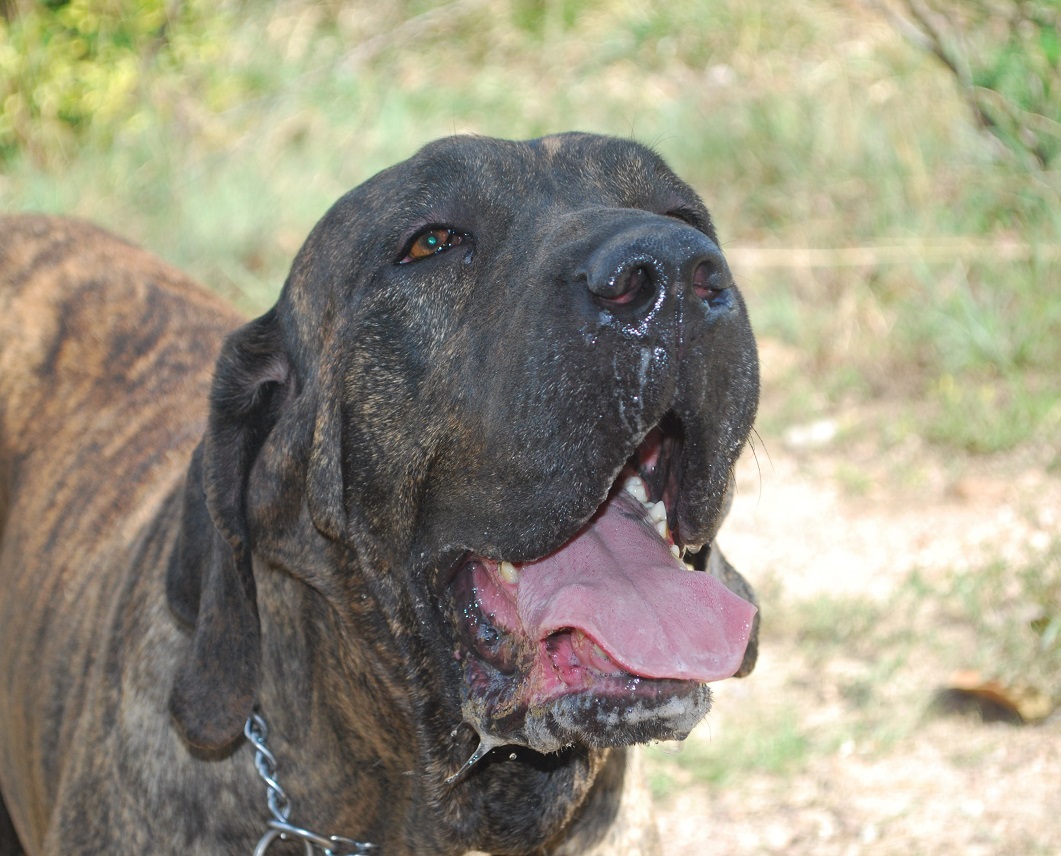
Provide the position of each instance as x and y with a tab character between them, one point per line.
436	239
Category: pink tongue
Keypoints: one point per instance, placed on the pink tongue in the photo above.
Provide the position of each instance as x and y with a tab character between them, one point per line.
617	582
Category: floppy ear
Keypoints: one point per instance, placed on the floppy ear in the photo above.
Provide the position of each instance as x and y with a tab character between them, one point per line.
324	479
210	580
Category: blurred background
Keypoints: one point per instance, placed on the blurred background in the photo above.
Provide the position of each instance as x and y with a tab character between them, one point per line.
886	179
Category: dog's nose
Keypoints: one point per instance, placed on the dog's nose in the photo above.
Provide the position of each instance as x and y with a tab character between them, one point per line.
633	270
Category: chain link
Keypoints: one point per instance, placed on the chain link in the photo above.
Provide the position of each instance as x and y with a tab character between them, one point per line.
256	731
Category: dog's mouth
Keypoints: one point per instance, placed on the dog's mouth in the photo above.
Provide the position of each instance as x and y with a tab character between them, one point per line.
608	640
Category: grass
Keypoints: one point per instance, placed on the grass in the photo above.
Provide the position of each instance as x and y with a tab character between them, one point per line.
809	125
775	745
1000	618
1016	617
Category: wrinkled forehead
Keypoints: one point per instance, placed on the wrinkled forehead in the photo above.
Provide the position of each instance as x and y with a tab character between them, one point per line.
490	188
569	171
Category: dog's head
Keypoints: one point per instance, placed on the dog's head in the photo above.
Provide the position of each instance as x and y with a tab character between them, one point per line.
508	382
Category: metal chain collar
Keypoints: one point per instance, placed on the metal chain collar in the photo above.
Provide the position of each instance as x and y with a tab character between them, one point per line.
280	828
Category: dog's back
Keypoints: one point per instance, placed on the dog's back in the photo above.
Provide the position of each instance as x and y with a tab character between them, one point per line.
105	362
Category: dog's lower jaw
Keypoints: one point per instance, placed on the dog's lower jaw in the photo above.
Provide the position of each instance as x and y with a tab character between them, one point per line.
616	722
516	801
640	711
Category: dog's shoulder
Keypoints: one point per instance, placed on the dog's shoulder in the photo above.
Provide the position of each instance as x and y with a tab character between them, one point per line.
87	314
106	351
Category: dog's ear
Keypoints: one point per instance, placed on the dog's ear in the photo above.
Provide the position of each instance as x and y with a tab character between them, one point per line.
210	580
324	472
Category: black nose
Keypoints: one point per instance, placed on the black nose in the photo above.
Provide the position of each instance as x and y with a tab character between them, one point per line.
636	267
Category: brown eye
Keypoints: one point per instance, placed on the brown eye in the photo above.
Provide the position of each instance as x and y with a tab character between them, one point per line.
434	240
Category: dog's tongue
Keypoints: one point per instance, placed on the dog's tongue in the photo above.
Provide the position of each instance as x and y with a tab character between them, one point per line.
618	583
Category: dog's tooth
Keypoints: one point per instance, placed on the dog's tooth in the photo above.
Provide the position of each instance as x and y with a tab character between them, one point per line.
509	572
676	551
635	486
658	515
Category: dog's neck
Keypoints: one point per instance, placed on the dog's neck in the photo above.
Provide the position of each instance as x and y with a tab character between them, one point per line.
366	747
282	825
363	697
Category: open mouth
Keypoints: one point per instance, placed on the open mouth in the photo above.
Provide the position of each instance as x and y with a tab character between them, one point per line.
608	640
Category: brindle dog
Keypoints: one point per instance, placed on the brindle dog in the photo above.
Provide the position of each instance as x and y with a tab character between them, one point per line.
440	498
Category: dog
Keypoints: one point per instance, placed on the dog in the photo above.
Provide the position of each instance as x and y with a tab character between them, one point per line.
402	566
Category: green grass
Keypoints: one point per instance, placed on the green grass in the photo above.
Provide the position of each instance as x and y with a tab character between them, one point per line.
804	125
772	744
1015	613
1001	618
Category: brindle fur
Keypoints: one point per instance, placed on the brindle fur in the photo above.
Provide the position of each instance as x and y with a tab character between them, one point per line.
191	524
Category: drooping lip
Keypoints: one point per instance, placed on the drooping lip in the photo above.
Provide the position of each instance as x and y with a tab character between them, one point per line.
611	612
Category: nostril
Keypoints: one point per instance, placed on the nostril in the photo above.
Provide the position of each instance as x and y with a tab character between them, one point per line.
631	285
709	282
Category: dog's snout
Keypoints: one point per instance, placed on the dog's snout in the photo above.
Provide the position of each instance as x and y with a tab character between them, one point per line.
633	269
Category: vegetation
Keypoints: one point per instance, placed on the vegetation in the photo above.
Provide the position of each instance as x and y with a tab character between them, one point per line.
1007	59
218	132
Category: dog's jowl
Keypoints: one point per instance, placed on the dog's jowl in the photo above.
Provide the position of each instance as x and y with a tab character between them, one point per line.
440	523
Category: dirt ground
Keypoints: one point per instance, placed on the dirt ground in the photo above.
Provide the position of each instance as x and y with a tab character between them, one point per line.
819	518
